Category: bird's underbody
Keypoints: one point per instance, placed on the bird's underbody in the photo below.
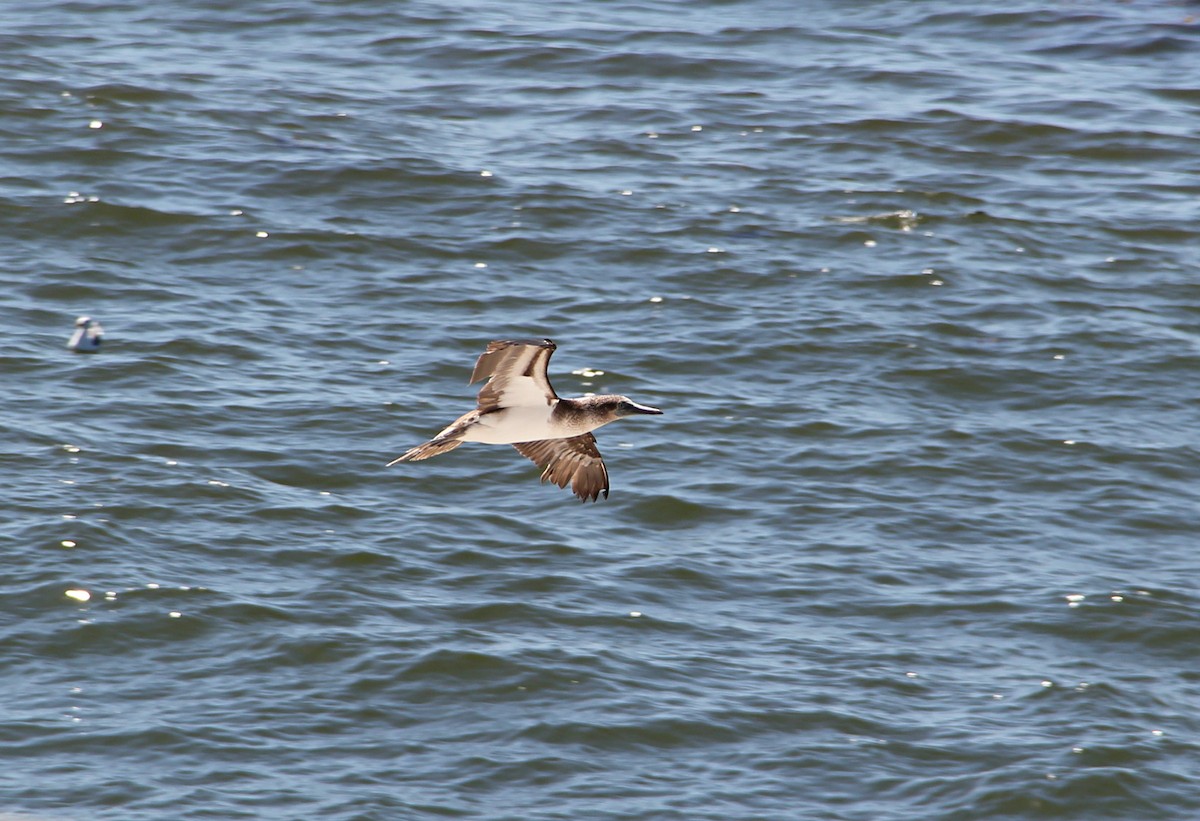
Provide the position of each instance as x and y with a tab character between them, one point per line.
519	407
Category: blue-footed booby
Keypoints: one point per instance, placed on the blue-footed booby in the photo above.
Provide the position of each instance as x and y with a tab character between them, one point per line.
519	407
87	337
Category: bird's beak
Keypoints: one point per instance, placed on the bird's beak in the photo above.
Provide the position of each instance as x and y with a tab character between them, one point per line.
634	407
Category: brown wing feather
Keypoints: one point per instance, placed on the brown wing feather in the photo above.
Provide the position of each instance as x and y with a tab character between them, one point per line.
575	461
505	362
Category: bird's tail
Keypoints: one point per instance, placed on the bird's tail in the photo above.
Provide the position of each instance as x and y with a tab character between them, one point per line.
434	447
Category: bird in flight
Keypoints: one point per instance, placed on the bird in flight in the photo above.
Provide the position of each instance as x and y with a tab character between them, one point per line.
519	407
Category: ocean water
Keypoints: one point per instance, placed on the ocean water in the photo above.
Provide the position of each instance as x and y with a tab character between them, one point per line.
917	286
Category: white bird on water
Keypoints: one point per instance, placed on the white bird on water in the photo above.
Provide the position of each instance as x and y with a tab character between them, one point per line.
519	407
87	337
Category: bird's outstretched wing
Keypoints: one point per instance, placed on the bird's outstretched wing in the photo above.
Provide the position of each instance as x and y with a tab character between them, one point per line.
575	461
516	374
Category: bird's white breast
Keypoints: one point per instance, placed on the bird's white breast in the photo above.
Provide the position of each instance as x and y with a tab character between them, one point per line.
507	426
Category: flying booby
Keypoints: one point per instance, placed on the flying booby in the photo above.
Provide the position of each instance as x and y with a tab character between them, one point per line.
87	337
519	407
